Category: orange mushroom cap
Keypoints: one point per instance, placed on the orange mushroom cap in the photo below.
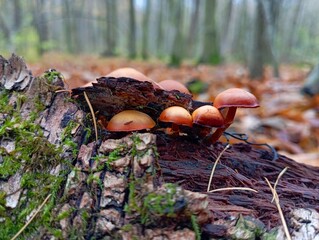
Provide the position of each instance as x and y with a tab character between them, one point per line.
130	120
231	99
132	73
208	116
129	73
176	115
170	85
235	97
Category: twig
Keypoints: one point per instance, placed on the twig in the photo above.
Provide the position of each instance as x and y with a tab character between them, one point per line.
30	220
233	188
214	167
275	195
244	137
93	115
277	180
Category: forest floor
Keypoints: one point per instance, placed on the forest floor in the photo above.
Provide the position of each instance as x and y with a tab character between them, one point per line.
286	119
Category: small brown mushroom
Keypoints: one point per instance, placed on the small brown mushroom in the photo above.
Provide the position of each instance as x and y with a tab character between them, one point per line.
177	116
129	73
170	85
229	100
132	73
206	118
130	120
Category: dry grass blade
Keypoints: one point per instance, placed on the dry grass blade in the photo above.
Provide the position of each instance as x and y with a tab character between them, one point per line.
33	216
93	115
214	167
277	180
233	188
276	198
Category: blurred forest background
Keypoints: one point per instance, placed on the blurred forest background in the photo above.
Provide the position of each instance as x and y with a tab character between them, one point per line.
252	32
220	43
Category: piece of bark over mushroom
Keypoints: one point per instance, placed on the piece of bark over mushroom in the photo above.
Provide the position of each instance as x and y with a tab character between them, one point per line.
110	96
228	101
130	120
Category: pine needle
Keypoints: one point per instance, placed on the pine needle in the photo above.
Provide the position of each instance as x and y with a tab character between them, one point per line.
33	216
93	115
276	198
233	188
214	167
277	180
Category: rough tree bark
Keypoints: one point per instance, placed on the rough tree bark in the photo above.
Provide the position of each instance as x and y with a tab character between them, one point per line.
141	186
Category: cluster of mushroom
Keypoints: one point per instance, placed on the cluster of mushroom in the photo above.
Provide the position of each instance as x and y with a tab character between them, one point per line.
207	121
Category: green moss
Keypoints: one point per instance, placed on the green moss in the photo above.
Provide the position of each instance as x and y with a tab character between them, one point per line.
2	203
160	205
4	102
151	205
196	227
114	155
127	227
51	75
34	157
67	139
93	178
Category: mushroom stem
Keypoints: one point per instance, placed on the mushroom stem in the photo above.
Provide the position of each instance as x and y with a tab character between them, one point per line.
175	130
229	118
175	127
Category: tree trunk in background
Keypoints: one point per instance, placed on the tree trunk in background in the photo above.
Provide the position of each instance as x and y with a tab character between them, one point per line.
5	28
178	46
210	52
17	14
290	36
256	62
193	29
311	84
40	22
271	12
111	28
226	29
132	31
145	37
79	22
160	32
68	27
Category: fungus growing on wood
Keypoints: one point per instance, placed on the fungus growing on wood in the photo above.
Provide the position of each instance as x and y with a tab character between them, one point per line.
132	73
170	85
130	120
228	101
129	73
177	116
206	118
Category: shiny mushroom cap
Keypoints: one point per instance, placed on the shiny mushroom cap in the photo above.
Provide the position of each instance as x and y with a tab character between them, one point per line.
235	97
176	115
130	120
134	74
208	116
129	73
170	85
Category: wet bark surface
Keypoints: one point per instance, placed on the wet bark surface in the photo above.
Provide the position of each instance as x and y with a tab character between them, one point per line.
242	165
118	188
113	95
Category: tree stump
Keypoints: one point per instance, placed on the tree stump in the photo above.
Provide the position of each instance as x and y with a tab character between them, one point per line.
57	182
